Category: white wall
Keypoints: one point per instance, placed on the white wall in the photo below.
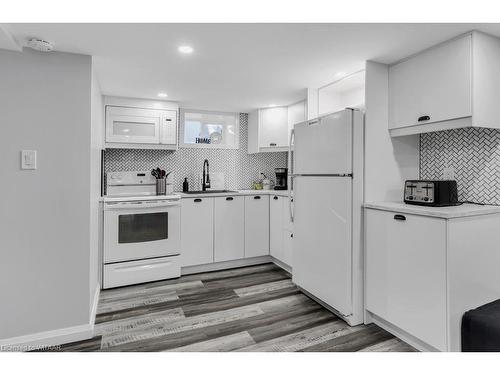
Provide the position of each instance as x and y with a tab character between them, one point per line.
388	161
96	145
45	101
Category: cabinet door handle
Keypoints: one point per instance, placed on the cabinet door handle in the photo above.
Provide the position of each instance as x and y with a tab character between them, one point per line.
229	198
275	198
272	144
197	200
424	118
400	217
256	197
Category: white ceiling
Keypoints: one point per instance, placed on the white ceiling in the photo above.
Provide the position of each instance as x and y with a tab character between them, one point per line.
235	67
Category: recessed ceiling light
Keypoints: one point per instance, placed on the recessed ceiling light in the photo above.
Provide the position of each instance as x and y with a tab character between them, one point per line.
185	49
162	95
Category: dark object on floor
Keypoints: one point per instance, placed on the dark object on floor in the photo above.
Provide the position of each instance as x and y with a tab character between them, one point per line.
481	329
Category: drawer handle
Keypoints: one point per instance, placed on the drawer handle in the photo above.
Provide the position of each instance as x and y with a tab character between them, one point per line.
272	144
229	198
424	118
275	198
197	200
256	197
400	217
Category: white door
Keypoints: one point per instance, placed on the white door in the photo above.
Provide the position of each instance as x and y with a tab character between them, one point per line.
276	208
229	242
324	145
197	231
132	125
432	86
322	253
256	225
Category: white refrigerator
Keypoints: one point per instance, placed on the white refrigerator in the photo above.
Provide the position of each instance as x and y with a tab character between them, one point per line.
327	179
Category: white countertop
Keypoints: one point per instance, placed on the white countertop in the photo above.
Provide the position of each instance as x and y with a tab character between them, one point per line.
451	212
177	195
282	193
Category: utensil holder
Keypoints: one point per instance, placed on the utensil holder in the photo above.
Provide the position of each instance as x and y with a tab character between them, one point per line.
161	186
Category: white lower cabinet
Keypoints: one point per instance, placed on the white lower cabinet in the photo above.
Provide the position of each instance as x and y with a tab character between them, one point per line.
287	247
405	275
423	272
229	241
197	231
276	227
256	225
280	229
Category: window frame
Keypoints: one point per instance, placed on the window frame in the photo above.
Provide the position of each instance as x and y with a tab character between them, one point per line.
234	146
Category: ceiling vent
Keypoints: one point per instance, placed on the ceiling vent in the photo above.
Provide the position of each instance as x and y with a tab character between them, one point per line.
40	45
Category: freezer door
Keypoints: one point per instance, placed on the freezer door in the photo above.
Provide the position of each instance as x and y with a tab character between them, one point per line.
324	145
322	253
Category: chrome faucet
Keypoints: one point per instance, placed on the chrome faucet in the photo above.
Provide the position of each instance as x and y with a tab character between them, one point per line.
206	178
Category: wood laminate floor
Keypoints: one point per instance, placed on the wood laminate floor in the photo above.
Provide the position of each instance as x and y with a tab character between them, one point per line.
255	308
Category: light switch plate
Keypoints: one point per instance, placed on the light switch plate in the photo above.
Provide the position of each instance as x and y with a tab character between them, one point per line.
28	159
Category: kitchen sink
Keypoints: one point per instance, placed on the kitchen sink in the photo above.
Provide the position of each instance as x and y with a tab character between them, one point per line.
209	191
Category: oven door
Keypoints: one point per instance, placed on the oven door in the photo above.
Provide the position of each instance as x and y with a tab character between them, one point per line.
141	230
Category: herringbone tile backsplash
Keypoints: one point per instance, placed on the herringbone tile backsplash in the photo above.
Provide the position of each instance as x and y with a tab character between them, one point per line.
240	169
474	153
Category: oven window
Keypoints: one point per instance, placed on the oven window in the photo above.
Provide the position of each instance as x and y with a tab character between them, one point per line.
143	227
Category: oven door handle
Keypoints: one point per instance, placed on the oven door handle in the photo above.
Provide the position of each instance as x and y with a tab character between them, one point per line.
140	205
127	268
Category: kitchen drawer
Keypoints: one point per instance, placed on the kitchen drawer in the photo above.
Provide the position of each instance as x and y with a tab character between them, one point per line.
406	273
141	271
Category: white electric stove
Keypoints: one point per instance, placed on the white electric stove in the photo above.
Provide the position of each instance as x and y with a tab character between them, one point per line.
141	231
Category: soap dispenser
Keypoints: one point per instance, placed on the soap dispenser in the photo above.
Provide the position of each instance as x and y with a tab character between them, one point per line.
185	185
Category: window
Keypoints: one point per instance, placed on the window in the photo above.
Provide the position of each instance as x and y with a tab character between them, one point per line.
204	129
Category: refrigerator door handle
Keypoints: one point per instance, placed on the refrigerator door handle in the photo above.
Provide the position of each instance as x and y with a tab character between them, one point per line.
290	174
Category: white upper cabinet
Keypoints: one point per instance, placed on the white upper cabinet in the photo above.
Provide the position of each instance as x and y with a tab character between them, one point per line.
448	86
297	113
269	128
348	92
140	124
273	127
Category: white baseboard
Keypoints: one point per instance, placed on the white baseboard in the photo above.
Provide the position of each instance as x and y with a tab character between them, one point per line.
54	337
225	265
47	338
282	265
400	334
93	311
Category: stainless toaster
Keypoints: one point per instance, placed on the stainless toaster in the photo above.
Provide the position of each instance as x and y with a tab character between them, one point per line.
431	192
